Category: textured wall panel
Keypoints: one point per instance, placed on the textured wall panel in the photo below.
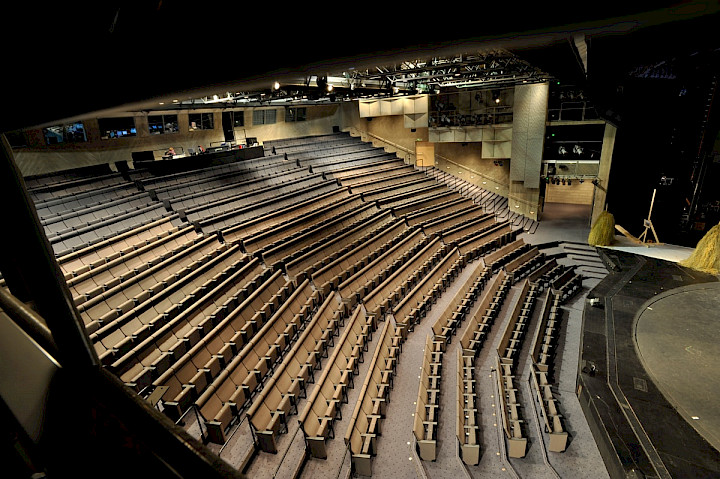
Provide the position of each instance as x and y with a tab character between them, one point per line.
529	116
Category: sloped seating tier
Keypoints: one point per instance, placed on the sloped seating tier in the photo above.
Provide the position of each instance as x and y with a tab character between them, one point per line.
467	429
435	212
383	165
389	232
229	212
166	182
314	238
427	406
512	423
567	284
324	405
457	309
461	229
427	289
365	426
454	219
227	392
245	229
478	327
365	177
74	204
479	244
399	177
512	339
358	286
552	419
83	260
118	300
327	142
300	224
107	273
420	191
210	188
228	335
542	355
322	253
413	185
502	256
525	264
70	222
118	336
403	206
338	163
280	394
106	227
66	184
540	275
288	191
220	312
397	284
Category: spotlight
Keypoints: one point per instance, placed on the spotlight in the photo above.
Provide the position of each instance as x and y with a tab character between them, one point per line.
276	86
563	181
582	181
595	182
569	182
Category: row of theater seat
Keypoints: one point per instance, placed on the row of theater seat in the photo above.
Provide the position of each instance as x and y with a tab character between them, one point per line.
456	217
246	372
365	426
170	275
216	317
253	225
478	327
525	264
324	405
507	353
86	259
359	285
396	285
459	306
113	270
389	232
427	406
467	430
361	233
270	409
542	364
419	300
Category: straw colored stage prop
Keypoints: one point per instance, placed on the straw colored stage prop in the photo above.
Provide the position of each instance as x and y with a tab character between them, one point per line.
706	257
602	232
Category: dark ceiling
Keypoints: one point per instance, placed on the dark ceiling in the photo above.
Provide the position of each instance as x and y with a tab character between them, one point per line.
71	58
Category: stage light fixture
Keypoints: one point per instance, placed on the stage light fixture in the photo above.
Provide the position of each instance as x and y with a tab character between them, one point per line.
569	182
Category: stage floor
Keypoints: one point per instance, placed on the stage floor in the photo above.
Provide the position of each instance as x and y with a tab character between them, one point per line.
641	381
678	339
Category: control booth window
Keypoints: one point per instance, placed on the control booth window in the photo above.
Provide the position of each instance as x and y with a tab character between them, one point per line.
159	124
117	127
238	118
264	117
201	121
295	114
69	133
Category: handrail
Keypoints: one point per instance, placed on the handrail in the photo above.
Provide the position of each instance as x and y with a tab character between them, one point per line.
29	321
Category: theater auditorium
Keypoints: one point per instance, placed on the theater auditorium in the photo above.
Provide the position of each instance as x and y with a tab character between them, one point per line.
240	241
